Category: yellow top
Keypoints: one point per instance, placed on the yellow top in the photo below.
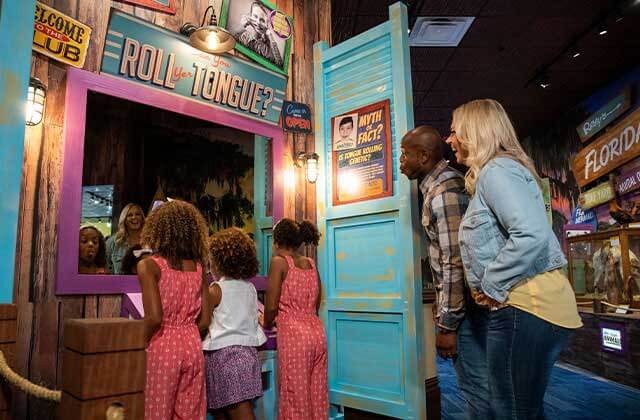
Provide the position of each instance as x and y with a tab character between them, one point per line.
548	296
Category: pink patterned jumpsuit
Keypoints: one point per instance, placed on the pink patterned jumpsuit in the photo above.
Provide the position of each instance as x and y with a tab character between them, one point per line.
175	363
302	348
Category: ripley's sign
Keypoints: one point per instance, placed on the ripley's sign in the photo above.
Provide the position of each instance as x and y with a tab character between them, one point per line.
617	146
603	116
144	53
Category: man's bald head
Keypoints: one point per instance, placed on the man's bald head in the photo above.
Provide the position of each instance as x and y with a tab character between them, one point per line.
425	138
421	151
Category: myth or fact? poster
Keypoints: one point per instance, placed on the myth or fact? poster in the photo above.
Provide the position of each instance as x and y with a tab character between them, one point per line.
361	149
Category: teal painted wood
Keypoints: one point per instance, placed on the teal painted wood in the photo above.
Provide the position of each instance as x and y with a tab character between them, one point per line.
263	223
16	27
369	254
266	407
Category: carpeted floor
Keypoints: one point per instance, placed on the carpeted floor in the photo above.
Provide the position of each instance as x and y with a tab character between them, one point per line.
572	395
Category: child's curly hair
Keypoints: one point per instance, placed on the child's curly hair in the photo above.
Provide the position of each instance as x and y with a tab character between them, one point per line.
291	234
177	231
233	254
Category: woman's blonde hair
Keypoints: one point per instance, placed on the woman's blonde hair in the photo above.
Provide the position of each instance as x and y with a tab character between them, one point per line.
484	129
122	234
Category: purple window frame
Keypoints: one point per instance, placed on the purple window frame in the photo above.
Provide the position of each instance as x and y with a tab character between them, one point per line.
79	82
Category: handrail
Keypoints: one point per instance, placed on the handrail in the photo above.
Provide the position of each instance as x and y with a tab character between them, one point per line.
114	412
25	385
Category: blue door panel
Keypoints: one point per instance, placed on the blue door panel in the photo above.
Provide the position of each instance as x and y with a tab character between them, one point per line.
364	242
369	254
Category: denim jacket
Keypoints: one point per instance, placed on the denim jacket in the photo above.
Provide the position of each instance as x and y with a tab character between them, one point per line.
505	236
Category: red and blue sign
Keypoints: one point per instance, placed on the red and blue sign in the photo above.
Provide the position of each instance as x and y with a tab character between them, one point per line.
361	144
296	117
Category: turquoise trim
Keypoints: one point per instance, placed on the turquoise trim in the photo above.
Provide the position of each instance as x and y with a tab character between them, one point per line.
369	256
263	223
16	27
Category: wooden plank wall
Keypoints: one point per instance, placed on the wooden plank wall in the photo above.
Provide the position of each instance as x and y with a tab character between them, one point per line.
41	313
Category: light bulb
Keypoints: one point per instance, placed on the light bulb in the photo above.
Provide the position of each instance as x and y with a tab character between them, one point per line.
34	107
212	41
312	169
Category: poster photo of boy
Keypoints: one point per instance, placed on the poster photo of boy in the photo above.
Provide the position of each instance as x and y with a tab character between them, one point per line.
344	132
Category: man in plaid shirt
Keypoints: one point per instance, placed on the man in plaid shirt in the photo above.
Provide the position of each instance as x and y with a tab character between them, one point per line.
445	202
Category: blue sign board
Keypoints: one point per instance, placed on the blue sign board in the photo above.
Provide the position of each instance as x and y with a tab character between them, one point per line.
144	53
296	117
582	216
603	116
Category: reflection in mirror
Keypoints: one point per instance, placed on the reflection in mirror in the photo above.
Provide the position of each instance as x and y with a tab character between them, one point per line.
137	157
92	258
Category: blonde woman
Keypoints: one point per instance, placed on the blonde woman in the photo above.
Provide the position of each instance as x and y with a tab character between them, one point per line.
130	226
512	262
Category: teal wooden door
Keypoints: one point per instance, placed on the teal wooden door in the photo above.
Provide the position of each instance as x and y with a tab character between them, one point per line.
369	253
16	27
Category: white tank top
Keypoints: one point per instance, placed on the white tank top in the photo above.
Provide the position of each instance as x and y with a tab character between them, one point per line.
235	319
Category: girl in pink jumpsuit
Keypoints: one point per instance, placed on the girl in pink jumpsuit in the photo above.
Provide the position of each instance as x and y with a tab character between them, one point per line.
293	294
176	306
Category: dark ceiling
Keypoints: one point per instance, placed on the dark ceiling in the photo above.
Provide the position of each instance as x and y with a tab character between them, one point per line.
509	45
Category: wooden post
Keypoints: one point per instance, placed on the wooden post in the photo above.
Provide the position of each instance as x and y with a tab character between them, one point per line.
8	327
104	364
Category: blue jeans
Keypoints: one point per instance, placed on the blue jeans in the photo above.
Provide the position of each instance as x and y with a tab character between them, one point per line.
504	362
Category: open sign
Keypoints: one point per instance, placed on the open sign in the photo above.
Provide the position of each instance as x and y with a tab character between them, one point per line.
296	117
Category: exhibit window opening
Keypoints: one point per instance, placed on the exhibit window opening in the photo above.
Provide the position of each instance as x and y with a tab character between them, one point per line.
137	157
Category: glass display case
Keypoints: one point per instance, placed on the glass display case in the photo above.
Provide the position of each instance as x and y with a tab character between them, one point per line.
605	266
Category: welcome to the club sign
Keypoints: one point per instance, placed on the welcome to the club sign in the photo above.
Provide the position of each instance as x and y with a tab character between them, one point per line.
59	36
144	53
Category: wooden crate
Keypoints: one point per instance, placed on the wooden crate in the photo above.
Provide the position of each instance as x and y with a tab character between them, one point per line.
104	363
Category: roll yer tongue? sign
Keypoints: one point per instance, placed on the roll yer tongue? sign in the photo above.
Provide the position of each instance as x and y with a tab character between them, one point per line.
144	53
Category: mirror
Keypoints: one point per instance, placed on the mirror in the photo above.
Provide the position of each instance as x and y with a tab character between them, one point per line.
137	157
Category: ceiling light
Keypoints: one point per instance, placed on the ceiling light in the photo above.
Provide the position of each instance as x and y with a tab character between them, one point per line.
602	31
543	82
575	54
210	38
431	31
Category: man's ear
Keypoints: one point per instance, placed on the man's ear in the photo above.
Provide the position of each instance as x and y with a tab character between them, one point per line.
423	157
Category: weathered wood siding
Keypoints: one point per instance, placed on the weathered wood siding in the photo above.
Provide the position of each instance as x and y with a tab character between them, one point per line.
41	313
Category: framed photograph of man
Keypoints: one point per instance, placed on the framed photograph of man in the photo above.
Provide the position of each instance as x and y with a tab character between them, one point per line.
166	6
263	33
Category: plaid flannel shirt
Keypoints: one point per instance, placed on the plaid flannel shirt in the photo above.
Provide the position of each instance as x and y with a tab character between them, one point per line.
445	202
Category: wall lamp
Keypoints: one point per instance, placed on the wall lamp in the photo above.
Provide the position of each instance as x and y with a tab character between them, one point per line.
210	38
310	160
35	102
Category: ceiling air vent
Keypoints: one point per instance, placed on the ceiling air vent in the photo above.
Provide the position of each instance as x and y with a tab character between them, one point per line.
439	31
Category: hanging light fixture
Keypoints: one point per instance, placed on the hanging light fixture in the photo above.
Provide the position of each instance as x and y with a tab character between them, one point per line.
35	102
210	38
310	161
312	167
